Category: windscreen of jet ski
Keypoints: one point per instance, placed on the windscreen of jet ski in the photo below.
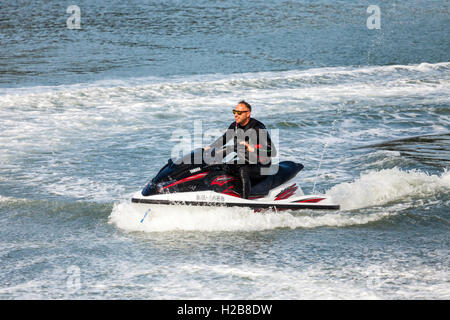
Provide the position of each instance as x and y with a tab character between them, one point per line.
175	168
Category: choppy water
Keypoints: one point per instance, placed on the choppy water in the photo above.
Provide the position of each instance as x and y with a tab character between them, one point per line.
88	116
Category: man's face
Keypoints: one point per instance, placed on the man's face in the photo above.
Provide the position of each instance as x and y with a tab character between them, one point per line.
242	118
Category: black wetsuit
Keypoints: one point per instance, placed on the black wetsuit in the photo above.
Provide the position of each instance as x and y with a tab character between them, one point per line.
251	163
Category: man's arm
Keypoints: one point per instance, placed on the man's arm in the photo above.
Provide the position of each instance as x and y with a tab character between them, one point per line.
265	144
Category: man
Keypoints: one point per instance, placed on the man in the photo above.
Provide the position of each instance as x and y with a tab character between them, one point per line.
251	142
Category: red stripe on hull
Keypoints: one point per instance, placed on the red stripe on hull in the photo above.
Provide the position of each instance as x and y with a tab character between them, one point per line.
190	178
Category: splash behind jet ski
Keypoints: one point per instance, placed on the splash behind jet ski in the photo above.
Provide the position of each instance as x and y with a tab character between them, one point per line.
191	180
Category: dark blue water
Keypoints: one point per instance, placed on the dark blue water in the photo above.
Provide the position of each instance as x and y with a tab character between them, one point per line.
88	115
166	38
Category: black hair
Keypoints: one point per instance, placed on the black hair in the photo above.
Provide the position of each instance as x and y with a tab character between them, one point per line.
245	104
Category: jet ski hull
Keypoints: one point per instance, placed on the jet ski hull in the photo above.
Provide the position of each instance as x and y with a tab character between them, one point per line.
221	200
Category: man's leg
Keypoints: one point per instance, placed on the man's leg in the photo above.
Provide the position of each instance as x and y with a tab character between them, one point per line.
246	172
245	179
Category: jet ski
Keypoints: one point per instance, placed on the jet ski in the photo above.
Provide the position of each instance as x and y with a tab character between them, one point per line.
192	181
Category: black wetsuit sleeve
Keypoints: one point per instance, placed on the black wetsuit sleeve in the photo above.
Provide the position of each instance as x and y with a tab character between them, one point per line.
265	146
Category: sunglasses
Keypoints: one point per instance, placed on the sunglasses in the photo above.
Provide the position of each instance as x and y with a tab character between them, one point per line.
239	112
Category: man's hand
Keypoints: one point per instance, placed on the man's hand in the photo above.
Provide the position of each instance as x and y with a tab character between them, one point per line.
249	147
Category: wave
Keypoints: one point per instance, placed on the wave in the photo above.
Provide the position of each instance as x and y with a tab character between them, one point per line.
376	188
376	81
7	199
252	79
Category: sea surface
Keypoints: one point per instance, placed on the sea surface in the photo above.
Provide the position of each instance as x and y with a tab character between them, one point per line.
91	108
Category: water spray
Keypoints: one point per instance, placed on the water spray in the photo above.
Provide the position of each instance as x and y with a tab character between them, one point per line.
333	127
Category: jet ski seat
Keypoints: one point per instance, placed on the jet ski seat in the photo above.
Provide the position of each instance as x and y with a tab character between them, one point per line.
286	171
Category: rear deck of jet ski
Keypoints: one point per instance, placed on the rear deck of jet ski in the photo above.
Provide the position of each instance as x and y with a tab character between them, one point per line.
286	170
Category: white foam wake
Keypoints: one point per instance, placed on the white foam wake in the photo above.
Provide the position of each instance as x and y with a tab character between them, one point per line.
4	199
128	217
374	188
384	186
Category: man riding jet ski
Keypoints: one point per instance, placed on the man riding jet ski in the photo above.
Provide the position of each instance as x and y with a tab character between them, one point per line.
251	137
248	180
